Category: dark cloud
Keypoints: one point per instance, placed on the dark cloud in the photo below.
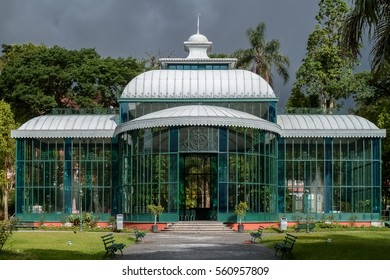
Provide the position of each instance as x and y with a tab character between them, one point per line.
133	28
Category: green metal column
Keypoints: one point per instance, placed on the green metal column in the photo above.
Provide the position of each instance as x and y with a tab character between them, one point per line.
328	182
376	176
174	191
222	171
214	182
281	176
19	182
116	192
68	176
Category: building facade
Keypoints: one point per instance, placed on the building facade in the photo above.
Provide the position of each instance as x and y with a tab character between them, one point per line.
198	136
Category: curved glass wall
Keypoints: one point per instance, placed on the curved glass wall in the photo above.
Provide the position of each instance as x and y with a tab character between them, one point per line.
330	178
203	171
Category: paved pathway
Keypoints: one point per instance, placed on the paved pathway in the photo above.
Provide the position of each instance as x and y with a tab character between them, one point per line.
197	246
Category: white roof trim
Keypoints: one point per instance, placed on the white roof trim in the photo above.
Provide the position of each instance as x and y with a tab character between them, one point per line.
197	84
68	126
230	61
333	126
289	126
198	115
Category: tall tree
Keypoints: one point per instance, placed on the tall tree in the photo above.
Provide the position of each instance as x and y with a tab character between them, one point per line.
262	56
372	16
36	79
325	76
7	153
375	106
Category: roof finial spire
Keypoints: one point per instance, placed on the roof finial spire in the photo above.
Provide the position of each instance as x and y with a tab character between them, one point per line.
197	25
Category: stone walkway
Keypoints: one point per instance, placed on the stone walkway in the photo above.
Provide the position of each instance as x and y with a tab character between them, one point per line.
197	246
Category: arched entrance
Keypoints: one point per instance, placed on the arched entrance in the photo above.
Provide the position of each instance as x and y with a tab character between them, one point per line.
199	187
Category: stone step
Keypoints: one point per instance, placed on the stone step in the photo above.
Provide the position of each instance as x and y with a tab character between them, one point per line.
195	226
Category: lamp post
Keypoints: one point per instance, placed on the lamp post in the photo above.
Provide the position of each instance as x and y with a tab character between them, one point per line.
307	193
81	209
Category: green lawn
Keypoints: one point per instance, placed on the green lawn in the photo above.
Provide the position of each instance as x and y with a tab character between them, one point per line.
345	245
54	245
360	244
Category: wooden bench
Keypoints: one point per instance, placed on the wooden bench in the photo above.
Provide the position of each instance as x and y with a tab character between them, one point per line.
286	246
139	234
257	235
110	246
304	226
26	225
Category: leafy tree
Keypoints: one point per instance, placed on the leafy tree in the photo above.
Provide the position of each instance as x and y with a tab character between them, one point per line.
35	79
7	153
373	15
263	56
374	105
325	75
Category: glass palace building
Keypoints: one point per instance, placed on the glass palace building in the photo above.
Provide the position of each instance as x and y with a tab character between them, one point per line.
199	136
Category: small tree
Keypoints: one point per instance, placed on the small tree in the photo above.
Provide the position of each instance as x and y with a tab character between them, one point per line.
155	210
6	229
241	209
7	154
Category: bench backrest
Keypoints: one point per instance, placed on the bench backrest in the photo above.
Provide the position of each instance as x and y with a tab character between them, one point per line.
289	241
136	231
108	239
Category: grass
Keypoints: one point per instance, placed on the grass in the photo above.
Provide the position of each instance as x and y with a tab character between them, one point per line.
363	244
346	244
54	245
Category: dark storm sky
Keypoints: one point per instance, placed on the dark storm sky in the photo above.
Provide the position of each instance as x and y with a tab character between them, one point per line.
134	28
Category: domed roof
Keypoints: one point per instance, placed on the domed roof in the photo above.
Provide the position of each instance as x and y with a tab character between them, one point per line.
197	84
198	38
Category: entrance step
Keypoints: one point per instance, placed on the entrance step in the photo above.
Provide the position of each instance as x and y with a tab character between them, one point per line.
198	226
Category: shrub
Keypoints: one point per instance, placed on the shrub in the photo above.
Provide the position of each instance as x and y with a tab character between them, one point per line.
87	218
6	229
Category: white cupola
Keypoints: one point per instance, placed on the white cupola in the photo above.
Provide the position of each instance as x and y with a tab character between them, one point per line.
198	46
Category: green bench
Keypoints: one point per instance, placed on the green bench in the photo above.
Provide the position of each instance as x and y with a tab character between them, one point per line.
304	226
257	235
25	225
139	235
286	246
110	246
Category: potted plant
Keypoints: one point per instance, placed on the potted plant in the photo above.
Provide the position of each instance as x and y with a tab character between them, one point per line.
155	210
240	211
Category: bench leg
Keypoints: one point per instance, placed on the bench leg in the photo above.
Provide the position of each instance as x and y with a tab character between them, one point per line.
276	251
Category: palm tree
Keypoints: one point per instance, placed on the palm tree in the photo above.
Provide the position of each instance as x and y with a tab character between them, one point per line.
262	56
373	15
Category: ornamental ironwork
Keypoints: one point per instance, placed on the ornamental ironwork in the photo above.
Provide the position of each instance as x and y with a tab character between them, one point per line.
199	139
